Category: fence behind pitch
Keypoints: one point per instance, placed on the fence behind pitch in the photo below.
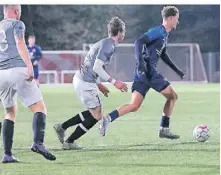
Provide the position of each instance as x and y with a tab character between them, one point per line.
187	56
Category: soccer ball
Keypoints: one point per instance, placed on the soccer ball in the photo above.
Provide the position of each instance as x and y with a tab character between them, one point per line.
201	133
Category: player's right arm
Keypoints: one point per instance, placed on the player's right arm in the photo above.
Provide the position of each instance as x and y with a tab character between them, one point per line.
146	39
139	46
39	53
98	67
139	54
19	35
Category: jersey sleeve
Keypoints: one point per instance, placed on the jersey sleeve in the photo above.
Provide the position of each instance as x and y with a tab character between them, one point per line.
165	57
154	34
139	49
147	40
19	29
104	51
39	52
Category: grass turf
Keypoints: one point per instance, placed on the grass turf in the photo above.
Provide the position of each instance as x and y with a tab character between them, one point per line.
131	145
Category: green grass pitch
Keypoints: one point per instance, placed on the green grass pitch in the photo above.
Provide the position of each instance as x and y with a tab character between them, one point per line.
131	146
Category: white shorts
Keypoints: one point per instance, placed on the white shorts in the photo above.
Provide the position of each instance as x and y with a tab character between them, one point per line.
88	93
14	83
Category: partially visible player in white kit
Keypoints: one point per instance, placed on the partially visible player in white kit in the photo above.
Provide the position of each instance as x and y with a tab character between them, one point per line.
87	82
16	74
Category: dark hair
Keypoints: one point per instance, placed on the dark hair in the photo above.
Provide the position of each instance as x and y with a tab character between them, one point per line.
169	11
115	25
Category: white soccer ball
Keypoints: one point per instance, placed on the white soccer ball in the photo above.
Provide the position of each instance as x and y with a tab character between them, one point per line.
201	133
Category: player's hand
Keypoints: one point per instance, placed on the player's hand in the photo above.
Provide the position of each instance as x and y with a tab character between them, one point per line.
30	73
141	68
142	75
121	86
103	89
181	74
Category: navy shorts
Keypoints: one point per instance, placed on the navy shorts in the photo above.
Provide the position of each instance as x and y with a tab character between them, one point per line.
36	73
156	82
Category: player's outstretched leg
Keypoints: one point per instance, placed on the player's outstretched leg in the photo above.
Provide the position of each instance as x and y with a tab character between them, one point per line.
7	133
61	128
164	131
90	119
38	126
136	101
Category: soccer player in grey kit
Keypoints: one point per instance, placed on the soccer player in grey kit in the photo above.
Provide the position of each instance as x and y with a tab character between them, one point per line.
16	74
87	82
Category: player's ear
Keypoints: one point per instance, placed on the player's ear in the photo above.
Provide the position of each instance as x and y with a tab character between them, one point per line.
17	12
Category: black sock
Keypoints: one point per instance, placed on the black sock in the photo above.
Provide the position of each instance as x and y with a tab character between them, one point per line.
0	128
76	119
38	126
165	122
82	128
7	133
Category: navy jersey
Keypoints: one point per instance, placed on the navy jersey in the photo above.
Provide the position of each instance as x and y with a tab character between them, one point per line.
149	47
157	42
35	53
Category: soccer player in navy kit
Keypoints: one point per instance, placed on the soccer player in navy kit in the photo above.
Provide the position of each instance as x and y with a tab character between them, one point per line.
35	55
149	47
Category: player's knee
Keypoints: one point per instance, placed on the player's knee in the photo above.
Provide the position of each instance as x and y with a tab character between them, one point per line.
10	116
10	113
97	116
39	107
134	107
45	111
176	96
173	96
96	113
42	108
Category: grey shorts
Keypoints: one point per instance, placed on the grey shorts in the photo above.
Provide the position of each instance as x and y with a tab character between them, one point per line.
88	93
14	83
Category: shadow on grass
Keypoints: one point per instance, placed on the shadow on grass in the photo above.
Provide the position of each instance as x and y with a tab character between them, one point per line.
132	165
150	147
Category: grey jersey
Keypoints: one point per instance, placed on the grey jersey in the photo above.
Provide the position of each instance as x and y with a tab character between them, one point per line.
9	56
103	50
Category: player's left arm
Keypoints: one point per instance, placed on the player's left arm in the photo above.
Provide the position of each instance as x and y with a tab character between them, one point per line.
38	56
165	57
98	67
39	53
19	35
102	87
